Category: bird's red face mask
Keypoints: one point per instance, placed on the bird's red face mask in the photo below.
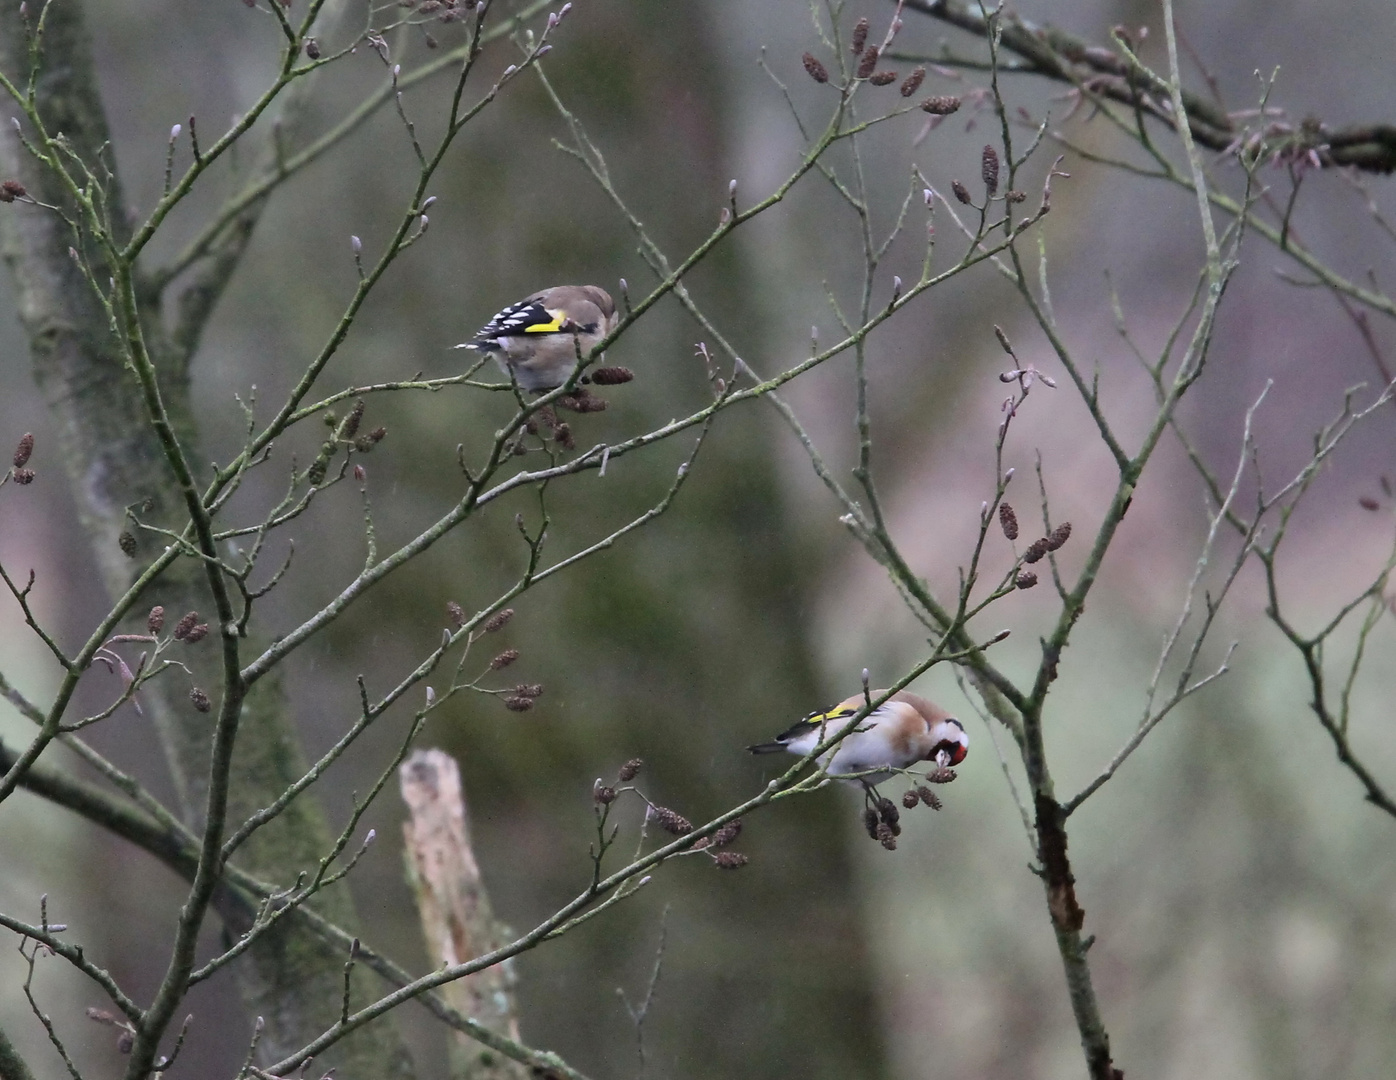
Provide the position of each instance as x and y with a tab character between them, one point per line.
955	745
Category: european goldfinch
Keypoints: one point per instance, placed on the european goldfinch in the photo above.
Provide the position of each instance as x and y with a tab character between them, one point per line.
539	338
903	730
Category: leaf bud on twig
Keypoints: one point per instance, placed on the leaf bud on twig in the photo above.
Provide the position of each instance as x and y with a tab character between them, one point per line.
868	63
364	443
961	192
611	376
671	821
1026	580
583	402
929	797
1036	550
860	36
351	422
941	105
498	620
989	169
603	794
1058	536
1008	521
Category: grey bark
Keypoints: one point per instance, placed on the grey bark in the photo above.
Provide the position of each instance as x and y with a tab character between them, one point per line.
114	461
457	920
12	1066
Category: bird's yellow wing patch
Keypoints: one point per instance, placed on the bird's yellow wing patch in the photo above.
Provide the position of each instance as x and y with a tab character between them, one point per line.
813	722
552	327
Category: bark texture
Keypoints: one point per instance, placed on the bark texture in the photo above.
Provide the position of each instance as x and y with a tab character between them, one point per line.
455	910
114	462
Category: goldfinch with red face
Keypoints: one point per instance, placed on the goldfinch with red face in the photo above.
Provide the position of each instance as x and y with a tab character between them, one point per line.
902	731
539	338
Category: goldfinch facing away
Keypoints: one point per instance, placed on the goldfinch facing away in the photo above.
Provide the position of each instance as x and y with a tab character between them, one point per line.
902	731
539	338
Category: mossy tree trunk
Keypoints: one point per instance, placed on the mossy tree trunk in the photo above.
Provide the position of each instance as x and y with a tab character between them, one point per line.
113	460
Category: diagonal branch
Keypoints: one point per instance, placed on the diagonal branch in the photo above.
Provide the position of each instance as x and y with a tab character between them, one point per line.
241	895
1055	54
115	458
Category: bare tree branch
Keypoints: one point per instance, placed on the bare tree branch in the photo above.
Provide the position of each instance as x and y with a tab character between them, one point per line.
1055	54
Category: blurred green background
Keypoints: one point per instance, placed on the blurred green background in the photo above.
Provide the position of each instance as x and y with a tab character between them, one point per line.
1240	889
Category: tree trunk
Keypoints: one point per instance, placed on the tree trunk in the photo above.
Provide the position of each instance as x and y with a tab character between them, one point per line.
114	461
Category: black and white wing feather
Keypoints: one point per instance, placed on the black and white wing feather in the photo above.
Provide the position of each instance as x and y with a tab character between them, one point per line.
812	723
525	317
